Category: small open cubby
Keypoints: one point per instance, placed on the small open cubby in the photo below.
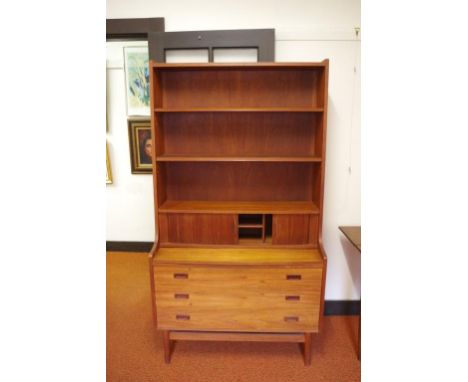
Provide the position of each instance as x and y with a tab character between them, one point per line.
254	228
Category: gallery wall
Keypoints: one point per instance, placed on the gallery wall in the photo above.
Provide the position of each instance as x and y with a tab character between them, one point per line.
305	31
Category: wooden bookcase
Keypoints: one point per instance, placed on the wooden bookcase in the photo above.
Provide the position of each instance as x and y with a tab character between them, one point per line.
239	159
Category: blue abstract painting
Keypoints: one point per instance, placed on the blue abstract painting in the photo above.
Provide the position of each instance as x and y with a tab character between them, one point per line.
137	78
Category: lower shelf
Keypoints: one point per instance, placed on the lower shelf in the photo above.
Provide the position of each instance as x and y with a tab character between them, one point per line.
239	207
235	336
304	339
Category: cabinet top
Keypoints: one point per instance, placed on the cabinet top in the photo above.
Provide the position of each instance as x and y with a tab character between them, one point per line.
241	65
240	256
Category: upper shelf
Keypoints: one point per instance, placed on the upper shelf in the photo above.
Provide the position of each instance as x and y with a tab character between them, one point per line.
265	87
241	110
241	207
184	158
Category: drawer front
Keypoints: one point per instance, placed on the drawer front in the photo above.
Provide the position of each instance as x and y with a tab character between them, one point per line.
231	279
184	298
239	319
237	298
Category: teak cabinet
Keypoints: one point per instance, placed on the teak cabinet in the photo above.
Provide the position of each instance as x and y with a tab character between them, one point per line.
238	167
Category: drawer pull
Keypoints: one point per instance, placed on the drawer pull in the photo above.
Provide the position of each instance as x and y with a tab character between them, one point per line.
180	275
293	277
292	298
182	317
181	296
291	319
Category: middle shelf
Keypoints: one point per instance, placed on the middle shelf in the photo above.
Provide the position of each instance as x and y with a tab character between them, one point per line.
258	136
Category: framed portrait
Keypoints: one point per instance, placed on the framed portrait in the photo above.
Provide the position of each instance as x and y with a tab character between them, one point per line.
108	167
137	80
141	145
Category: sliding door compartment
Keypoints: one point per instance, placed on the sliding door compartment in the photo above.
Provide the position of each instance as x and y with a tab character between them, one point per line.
291	229
202	228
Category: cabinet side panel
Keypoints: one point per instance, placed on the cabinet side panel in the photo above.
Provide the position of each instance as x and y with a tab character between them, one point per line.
202	228
161	184
313	230
290	229
163	230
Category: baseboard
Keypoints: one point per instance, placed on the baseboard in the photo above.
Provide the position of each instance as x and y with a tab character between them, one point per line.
332	307
342	307
129	246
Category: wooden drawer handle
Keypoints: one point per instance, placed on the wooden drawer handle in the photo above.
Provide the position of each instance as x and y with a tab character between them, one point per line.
182	317
181	296
180	275
293	277
292	298
291	319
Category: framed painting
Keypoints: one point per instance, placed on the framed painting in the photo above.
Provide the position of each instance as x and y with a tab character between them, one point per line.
108	167
137	80
141	145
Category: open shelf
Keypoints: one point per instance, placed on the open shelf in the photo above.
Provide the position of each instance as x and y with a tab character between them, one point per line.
238	181
174	158
271	207
240	135
240	88
255	242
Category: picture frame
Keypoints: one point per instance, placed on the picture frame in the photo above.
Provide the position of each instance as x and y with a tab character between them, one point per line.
136	65
108	167
141	145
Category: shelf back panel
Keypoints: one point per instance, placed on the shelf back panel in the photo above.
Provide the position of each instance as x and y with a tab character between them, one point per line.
239	181
241	88
238	134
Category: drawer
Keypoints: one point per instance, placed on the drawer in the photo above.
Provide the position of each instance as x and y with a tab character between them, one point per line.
226	280
237	298
241	299
260	319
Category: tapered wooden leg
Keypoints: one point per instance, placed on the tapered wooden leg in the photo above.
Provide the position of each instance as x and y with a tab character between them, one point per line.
167	346
307	348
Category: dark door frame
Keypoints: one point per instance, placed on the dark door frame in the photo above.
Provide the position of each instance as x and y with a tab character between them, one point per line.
261	39
132	29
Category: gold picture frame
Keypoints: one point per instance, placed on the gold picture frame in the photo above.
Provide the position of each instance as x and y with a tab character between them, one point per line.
141	145
108	166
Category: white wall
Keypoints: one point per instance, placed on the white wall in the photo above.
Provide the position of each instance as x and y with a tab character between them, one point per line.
305	31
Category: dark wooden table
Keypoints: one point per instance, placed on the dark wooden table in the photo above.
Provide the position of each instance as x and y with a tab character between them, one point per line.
353	234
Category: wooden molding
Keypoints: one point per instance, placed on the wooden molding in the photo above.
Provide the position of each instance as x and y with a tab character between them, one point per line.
342	307
129	246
